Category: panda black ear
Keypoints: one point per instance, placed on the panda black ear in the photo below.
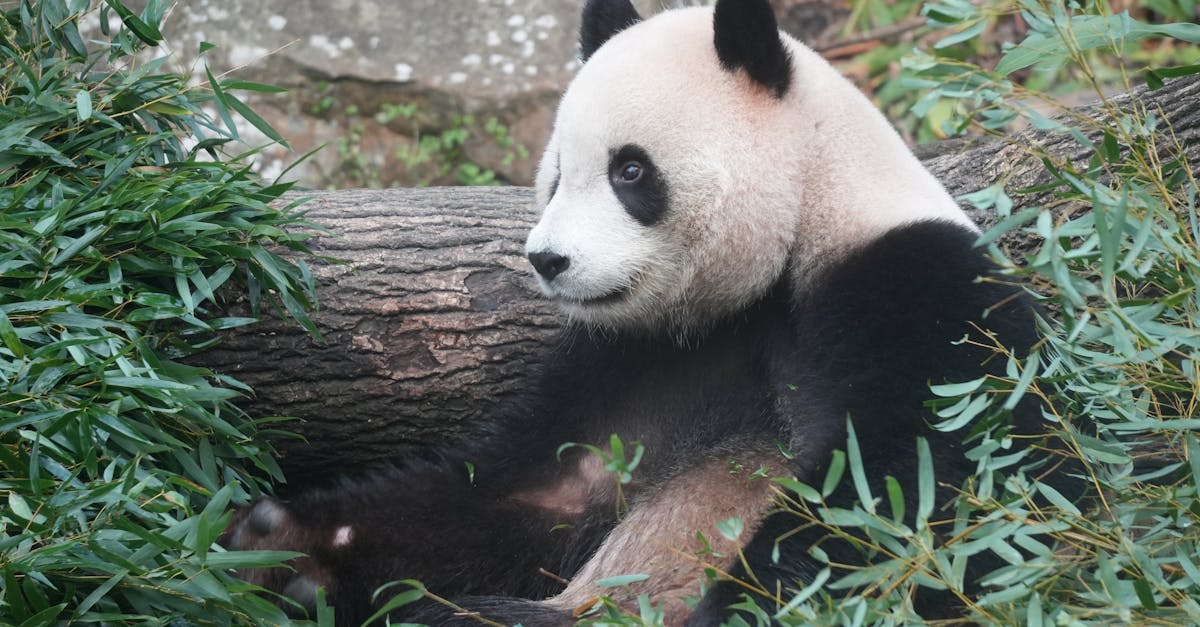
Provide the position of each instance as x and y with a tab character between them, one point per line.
601	20
747	36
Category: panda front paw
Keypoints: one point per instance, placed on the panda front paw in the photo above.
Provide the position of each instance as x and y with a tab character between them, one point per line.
267	525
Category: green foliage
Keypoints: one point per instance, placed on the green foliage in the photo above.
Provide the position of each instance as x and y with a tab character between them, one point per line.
120	229
433	156
1077	50
976	34
445	151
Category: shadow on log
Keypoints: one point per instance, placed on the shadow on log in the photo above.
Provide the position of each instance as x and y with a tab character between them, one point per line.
432	317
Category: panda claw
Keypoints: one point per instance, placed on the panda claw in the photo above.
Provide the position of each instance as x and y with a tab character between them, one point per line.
302	590
266	516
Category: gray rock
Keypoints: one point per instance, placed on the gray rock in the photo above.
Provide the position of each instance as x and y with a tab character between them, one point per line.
472	49
350	65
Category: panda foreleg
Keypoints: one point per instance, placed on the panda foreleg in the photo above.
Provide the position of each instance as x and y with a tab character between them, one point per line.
430	524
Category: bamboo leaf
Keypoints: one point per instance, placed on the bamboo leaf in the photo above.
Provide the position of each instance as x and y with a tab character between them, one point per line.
83	105
147	33
620	580
857	472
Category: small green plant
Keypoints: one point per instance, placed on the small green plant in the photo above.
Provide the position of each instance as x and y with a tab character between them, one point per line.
353	164
389	112
122	225
430	157
499	134
614	462
444	151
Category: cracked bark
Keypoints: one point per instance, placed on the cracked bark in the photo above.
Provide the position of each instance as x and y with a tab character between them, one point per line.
431	317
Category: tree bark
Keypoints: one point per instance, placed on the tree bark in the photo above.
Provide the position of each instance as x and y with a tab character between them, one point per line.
431	317
428	316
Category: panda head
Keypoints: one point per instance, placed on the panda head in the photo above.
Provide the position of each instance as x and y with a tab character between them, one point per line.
673	186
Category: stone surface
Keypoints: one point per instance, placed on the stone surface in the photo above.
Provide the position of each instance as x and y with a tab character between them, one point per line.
350	64
475	49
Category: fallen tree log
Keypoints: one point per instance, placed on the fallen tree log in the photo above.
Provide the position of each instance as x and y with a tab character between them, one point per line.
431	316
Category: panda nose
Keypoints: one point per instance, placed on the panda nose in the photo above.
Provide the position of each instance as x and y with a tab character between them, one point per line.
549	264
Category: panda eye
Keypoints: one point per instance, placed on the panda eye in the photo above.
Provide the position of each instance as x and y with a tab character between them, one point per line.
638	183
631	172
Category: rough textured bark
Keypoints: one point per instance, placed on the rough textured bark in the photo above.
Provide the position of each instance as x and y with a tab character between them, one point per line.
432	317
428	318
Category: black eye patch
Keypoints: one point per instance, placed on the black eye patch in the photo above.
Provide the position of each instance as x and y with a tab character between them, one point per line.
639	184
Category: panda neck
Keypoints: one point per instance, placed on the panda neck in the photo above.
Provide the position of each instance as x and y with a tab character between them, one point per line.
689	332
860	179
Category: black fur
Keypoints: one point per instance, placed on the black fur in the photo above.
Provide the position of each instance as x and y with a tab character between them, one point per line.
646	199
865	342
601	20
746	36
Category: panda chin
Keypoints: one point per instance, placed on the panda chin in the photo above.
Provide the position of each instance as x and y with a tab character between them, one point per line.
571	299
610	298
607	310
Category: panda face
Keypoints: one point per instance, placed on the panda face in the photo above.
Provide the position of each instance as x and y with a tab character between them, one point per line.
700	155
659	211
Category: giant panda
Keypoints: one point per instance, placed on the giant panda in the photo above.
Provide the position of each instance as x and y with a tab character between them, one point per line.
748	257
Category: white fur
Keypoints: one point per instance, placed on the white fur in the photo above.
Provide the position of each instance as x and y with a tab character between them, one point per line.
752	179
